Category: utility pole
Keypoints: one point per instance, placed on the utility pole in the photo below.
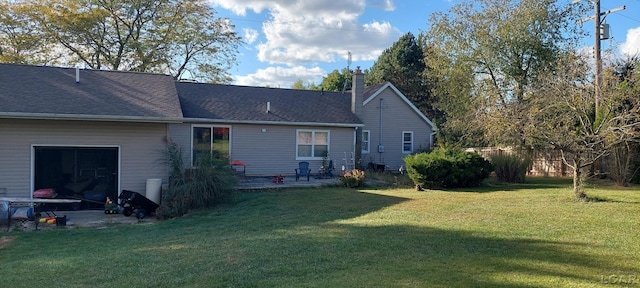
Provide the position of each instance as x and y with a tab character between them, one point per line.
597	49
347	77
598	57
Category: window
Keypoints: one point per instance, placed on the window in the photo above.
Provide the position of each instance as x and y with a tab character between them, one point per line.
407	142
366	140
208	139
312	144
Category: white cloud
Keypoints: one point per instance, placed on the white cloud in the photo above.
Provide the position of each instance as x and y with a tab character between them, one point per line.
250	35
313	31
586	51
387	5
281	77
240	7
631	46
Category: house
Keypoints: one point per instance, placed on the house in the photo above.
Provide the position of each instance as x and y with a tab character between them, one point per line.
82	131
95	132
273	129
394	127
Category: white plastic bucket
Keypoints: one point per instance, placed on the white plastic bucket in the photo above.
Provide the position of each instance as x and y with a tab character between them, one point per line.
154	188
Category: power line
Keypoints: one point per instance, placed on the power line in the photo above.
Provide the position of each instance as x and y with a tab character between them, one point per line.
632	19
301	24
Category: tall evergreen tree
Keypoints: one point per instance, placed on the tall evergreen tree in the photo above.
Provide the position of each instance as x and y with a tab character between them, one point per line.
403	65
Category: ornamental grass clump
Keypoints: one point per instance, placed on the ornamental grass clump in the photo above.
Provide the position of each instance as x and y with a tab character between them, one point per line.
353	178
510	168
210	183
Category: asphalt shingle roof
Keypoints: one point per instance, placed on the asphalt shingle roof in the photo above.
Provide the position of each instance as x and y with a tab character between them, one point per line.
244	103
34	90
52	92
370	90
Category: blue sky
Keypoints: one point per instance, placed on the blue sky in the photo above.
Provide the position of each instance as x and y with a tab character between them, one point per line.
287	40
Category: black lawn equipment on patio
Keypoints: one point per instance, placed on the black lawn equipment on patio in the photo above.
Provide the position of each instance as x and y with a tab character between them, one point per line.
134	202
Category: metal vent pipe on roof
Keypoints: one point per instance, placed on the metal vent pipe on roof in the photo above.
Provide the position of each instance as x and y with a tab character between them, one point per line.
77	74
268	107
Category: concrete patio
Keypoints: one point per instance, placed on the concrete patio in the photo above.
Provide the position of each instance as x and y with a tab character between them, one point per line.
98	219
78	219
259	183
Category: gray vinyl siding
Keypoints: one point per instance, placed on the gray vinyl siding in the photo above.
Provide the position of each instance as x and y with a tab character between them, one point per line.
397	116
180	134
272	152
140	148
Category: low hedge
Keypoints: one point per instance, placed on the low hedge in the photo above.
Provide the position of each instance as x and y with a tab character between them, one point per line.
447	168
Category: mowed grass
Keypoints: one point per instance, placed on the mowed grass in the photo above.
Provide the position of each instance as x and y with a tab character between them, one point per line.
527	235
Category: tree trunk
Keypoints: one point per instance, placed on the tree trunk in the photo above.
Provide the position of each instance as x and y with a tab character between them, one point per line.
578	193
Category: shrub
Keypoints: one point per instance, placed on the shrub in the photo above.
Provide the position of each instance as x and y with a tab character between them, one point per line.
510	168
447	168
353	178
210	183
622	163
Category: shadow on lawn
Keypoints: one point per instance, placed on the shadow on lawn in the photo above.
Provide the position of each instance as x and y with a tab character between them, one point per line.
303	243
424	257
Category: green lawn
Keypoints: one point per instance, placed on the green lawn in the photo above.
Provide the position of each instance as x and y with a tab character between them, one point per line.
531	235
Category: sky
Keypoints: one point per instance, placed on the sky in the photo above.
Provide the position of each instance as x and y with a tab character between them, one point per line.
290	40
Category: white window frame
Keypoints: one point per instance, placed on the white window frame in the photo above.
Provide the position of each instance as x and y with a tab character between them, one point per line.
366	149
407	142
313	143
211	127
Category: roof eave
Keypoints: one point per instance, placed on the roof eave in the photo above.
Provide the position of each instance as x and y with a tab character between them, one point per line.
86	117
258	122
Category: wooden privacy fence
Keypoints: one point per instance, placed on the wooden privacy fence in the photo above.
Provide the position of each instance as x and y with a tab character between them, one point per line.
544	163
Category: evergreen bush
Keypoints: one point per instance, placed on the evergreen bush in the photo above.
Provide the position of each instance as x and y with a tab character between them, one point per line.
447	168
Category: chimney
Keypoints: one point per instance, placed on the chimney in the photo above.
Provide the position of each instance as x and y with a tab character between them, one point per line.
357	98
357	90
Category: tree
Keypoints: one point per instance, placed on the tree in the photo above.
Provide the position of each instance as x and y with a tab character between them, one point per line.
562	116
448	84
403	65
336	81
515	62
21	40
620	162
178	37
494	50
299	85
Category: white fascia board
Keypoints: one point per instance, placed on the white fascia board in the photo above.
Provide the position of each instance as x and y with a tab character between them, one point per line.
205	120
